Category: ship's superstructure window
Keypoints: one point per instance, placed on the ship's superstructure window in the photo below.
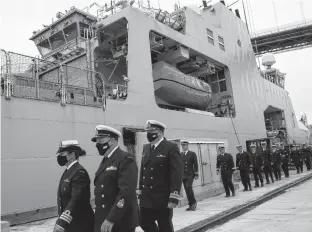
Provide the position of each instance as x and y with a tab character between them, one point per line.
57	40
71	32
85	31
221	43
44	47
218	83
210	36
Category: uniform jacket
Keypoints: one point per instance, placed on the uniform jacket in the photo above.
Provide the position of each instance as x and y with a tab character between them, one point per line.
267	158
225	162
243	161
190	164
284	156
161	175
115	192
74	208
306	153
257	160
297	157
277	160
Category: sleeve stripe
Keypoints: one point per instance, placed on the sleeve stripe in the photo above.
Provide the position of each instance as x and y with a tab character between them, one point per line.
67	216
175	196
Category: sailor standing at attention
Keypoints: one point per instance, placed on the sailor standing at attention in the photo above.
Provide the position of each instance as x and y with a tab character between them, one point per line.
267	162
160	180
190	172
285	159
243	164
116	207
257	165
277	161
73	195
225	162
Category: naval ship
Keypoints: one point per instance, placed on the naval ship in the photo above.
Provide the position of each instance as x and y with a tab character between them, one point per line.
121	64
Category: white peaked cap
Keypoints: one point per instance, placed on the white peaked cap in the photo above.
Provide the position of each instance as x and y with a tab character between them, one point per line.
102	130
151	123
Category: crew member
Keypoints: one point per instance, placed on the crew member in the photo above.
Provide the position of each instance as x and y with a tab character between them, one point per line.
257	165
284	159
295	157
300	159
190	172
276	163
267	162
307	154
225	162
73	195
116	207
243	164
161	177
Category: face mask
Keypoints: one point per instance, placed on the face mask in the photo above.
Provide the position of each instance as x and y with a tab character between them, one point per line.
152	136
102	148
62	160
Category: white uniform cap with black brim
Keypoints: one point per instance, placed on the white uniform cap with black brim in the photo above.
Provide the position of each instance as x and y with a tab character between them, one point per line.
103	131
69	145
153	124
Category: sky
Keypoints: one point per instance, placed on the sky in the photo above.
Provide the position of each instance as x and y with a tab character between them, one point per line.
19	18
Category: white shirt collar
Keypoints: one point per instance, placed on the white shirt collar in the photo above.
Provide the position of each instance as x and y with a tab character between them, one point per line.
185	152
156	144
110	154
69	166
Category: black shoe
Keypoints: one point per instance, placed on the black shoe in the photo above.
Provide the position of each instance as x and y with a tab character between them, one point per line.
262	185
245	190
250	189
188	208
268	182
227	195
280	179
193	206
233	194
256	186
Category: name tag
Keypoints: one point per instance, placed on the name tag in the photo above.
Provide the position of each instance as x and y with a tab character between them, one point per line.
111	168
160	156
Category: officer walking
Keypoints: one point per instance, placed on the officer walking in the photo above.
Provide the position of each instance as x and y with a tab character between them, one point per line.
257	165
160	182
295	157
267	162
225	162
190	172
307	154
116	207
276	163
243	164
300	158
74	208
284	159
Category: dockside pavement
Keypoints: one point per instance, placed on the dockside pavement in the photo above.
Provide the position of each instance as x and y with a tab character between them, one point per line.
182	218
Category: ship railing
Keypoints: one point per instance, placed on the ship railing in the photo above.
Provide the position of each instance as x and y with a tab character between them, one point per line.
116	91
21	77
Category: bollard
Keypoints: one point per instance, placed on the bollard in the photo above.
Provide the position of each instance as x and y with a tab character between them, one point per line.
5	226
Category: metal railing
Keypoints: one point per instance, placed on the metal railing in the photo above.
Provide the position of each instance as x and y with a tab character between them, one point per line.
31	77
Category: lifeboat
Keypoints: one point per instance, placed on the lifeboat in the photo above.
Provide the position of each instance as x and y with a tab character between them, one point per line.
174	88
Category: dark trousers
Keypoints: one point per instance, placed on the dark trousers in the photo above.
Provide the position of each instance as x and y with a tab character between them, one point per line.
244	174
226	177
285	169
268	172
308	163
122	230
277	172
257	175
299	167
188	186
162	216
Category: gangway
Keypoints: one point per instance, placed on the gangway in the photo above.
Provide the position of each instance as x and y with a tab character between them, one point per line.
284	39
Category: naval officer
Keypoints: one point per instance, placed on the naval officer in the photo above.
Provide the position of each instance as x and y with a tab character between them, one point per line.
277	161
190	173
307	154
73	195
243	164
267	162
257	165
225	163
115	182
285	159
160	180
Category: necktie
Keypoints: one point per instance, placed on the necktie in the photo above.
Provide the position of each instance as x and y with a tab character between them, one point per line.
104	159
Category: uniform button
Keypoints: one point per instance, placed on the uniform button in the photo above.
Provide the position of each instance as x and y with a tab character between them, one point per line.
102	195
103	206
144	168
102	186
186	162
143	177
151	187
64	188
151	177
143	185
152	168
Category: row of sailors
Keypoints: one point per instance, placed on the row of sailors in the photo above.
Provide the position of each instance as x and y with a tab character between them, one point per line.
267	161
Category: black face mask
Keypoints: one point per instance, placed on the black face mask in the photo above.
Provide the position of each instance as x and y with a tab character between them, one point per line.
62	160
152	136
102	148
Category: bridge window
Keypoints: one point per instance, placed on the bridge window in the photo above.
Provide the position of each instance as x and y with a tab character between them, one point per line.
71	32
44	47
210	36
218	83
85	31
57	40
221	43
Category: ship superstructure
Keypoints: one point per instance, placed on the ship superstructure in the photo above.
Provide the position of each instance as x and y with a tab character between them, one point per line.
195	72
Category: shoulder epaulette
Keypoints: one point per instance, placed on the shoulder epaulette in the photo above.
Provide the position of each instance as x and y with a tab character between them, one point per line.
130	157
82	171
